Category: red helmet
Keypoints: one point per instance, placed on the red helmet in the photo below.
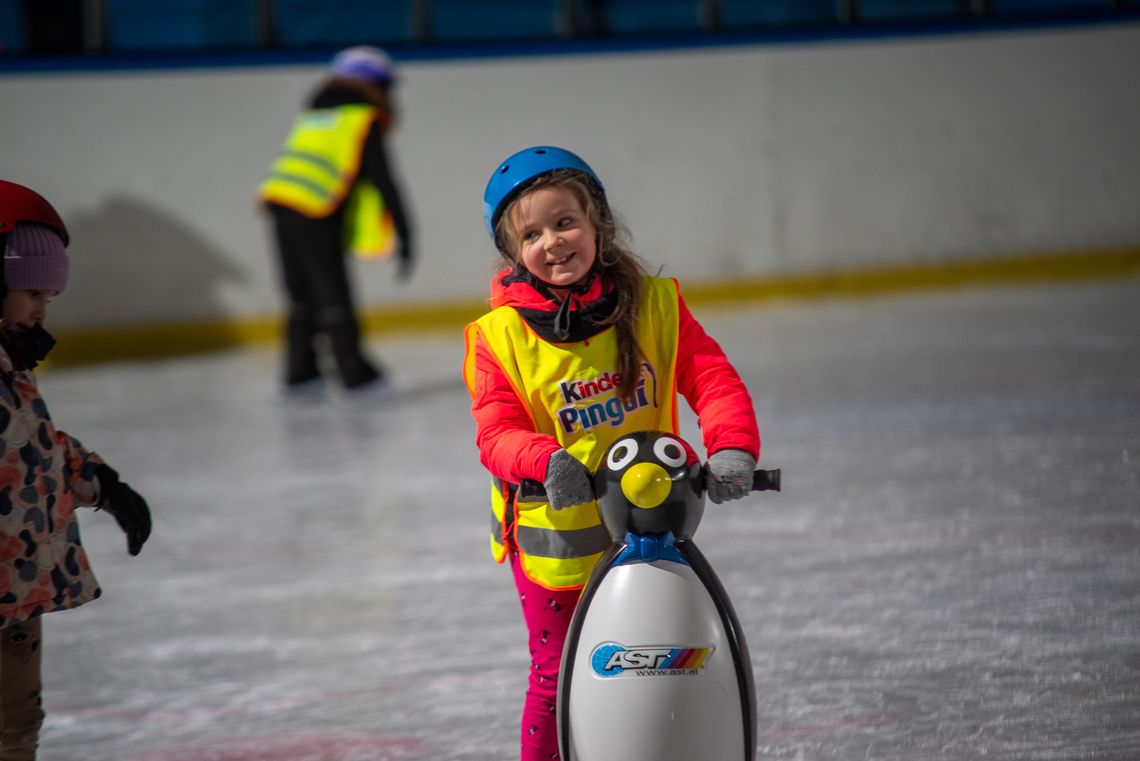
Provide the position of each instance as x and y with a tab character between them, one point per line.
21	204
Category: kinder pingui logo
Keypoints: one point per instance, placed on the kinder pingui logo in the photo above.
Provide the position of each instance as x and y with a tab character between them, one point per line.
591	402
610	659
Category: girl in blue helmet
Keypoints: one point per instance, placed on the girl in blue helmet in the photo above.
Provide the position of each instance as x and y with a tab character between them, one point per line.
581	347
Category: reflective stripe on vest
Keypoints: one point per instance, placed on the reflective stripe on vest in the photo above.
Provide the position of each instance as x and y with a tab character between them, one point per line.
320	159
571	543
570	391
498	519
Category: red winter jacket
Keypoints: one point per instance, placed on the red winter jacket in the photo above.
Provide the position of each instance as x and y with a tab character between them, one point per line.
510	448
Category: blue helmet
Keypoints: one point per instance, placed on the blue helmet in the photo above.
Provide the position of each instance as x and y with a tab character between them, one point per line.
364	63
518	169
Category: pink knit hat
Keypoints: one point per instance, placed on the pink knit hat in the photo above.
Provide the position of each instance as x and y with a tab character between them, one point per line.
35	259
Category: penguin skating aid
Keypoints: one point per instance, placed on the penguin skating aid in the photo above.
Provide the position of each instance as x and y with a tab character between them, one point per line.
655	666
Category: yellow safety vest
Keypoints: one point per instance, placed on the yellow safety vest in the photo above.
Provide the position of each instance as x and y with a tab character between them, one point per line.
317	171
570	392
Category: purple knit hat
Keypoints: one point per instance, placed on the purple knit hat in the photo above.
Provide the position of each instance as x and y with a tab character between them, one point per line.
35	259
364	63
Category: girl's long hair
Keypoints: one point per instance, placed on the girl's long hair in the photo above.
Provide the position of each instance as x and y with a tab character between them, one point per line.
615	263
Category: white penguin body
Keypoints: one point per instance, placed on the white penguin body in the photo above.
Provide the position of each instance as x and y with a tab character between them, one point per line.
654	676
655	666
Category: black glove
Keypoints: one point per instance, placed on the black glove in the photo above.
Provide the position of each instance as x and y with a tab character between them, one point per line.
567	481
404	270
126	504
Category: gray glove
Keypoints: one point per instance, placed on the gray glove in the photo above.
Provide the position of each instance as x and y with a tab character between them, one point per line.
567	481
730	475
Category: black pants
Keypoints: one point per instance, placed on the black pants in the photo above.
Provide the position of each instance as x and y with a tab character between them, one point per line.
315	270
21	685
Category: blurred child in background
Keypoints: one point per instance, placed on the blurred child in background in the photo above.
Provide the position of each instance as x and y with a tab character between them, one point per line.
331	192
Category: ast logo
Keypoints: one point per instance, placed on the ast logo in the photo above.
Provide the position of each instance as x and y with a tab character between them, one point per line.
610	659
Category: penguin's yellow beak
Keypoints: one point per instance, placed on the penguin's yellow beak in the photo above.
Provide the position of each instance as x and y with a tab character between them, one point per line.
646	484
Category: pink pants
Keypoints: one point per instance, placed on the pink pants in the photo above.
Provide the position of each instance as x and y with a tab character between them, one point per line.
547	615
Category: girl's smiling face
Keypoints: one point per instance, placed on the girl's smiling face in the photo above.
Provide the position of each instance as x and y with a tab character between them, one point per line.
557	243
24	309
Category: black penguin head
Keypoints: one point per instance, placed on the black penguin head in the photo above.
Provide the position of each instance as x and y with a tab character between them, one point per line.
648	483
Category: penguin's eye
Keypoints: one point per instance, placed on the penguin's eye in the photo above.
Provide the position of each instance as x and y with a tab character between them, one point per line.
621	454
670	452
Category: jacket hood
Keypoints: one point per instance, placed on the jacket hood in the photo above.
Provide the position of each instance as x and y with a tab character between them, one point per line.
509	289
584	312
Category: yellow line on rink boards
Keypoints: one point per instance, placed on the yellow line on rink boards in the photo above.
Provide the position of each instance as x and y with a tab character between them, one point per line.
170	339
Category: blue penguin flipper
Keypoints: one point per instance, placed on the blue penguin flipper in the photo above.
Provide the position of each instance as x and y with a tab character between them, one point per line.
735	635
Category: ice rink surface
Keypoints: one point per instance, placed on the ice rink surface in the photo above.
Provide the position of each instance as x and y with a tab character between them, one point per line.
952	571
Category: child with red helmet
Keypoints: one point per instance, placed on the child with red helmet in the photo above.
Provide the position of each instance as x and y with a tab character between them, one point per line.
581	347
44	472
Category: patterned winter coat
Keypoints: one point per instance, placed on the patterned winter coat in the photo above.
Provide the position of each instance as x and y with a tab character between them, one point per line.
44	474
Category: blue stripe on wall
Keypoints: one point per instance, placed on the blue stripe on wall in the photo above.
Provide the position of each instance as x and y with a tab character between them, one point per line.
439	51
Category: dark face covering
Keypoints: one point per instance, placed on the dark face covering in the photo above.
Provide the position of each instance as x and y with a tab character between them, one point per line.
27	348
